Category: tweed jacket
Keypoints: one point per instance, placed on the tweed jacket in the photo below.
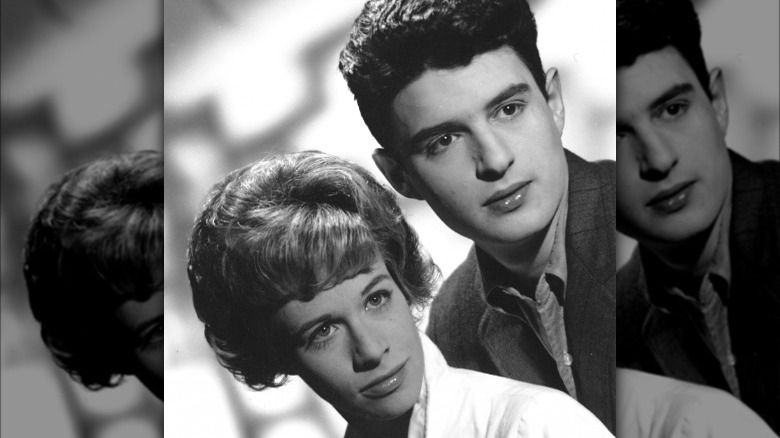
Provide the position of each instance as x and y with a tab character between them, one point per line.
653	340
473	335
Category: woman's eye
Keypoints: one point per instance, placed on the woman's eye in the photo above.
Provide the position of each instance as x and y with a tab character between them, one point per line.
321	337
377	300
323	332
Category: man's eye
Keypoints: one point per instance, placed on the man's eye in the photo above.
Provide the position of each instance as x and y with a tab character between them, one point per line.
673	110
439	144
509	110
444	140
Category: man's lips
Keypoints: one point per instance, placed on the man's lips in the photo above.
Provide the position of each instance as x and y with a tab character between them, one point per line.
673	198
386	383
508	199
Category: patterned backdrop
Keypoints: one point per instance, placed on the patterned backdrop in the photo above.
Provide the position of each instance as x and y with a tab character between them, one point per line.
243	78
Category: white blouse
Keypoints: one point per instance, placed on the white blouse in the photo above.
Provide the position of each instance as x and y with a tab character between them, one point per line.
456	402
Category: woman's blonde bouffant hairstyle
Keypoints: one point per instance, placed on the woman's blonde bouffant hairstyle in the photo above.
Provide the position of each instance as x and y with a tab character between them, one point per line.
286	228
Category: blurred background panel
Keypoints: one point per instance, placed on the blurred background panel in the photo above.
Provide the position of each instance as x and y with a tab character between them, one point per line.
247	78
80	79
743	39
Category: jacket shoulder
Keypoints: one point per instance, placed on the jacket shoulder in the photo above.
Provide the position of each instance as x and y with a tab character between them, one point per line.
455	316
457	298
591	180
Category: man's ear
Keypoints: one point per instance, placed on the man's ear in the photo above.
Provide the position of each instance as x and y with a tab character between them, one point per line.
555	97
718	98
394	173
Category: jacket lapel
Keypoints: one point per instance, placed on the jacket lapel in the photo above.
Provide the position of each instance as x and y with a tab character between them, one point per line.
590	295
590	290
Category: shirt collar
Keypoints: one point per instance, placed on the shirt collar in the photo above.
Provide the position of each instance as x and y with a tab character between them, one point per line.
721	260
495	276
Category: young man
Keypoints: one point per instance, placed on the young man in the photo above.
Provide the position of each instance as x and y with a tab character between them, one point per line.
455	93
701	293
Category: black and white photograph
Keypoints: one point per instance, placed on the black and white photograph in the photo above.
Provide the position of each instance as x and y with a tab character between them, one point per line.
390	218
252	90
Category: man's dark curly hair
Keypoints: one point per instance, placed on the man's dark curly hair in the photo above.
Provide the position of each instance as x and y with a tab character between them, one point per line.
96	241
393	42
286	228
645	26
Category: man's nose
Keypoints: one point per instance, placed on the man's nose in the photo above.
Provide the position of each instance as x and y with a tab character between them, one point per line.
493	155
657	157
369	347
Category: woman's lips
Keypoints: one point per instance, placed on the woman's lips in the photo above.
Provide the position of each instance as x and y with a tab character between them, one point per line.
672	199
386	384
509	199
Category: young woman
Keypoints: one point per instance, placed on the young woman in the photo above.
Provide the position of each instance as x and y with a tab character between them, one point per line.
93	266
303	264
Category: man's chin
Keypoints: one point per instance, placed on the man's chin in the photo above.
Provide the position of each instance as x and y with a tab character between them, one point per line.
667	234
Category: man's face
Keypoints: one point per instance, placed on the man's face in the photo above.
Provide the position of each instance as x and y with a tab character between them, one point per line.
144	322
357	345
482	146
673	171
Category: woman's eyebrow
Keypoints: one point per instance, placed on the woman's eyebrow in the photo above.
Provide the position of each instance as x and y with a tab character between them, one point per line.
314	322
322	318
373	283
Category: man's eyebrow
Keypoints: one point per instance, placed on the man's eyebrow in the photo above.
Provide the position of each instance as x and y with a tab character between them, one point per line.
671	93
443	128
433	131
510	91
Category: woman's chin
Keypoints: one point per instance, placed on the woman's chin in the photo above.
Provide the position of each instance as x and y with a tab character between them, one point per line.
388	413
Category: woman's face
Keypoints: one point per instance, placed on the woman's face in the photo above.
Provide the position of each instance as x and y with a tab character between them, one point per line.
357	345
144	321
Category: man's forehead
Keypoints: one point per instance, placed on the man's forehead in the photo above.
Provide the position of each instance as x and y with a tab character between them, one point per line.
444	95
490	70
650	76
